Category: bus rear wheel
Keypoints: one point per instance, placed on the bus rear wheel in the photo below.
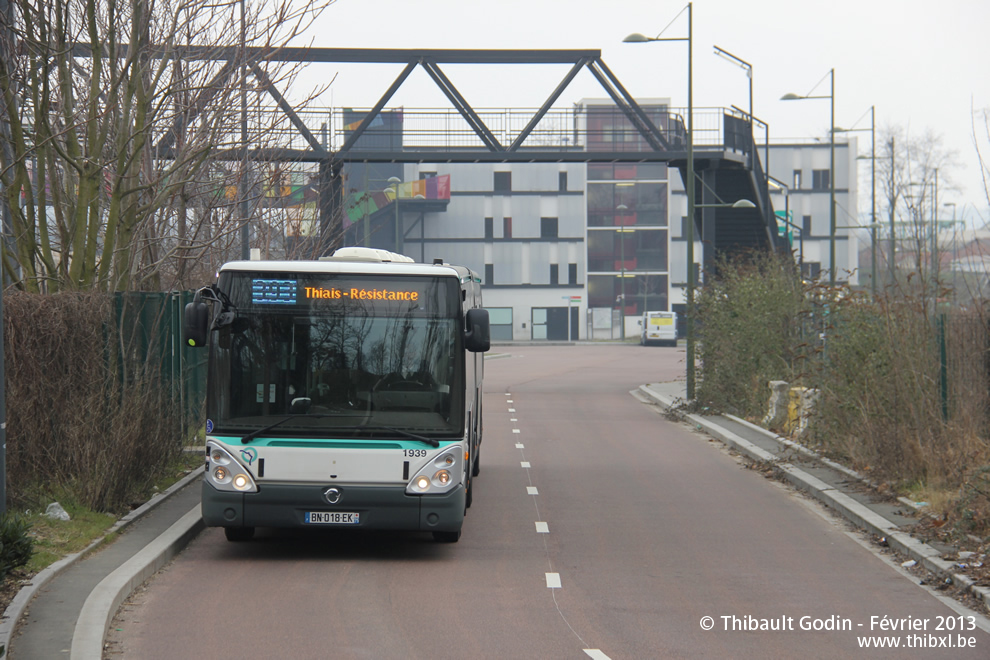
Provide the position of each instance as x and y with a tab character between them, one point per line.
238	534
447	537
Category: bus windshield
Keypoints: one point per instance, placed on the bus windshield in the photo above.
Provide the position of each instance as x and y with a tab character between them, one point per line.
345	352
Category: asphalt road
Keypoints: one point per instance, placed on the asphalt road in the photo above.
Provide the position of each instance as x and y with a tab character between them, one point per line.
598	530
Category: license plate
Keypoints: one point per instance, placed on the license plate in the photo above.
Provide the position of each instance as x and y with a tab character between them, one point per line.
331	518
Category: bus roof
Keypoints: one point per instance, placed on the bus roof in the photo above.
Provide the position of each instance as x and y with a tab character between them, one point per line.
341	266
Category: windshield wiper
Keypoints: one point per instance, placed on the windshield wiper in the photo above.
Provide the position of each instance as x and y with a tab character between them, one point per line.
433	442
265	429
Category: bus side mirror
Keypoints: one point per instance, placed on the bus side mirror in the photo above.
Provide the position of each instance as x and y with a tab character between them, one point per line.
195	323
477	334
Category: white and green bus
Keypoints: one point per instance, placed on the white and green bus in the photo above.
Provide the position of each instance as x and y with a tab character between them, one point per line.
341	392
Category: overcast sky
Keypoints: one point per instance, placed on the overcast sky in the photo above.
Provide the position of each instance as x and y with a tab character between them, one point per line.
923	64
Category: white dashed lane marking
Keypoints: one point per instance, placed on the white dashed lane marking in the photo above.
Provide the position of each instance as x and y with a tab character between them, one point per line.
596	654
542	527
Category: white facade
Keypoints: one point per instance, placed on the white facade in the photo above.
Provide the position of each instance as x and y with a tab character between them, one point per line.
526	229
527	242
795	166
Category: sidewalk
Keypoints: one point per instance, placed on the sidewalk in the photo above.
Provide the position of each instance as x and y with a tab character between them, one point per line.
842	490
65	611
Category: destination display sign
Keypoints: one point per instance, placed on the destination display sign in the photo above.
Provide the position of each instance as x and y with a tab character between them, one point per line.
365	293
361	293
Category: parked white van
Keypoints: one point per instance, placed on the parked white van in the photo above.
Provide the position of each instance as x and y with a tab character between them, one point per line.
659	328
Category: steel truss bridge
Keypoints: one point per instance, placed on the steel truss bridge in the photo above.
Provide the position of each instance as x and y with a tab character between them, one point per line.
726	161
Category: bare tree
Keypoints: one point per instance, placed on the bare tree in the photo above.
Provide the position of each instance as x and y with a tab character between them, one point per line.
913	171
981	142
113	159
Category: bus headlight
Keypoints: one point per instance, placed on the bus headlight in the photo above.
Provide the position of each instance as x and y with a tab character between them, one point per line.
224	472
439	475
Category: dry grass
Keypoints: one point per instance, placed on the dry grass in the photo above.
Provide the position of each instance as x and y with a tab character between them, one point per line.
904	385
81	419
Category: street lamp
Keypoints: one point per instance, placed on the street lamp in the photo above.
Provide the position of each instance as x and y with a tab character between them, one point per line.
953	205
636	37
739	204
744	65
831	166
873	193
782	187
395	181
748	68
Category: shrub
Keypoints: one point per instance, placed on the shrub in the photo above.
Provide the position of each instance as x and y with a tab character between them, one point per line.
15	544
902	384
87	409
749	332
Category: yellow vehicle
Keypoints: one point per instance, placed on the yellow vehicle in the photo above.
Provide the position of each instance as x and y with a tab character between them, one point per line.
659	328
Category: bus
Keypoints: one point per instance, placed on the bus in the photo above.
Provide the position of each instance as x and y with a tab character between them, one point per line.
344	392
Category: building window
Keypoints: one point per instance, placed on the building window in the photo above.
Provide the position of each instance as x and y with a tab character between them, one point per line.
805	225
572	274
489	228
427	175
548	227
684	228
797	180
810	270
489	273
506	227
819	179
503	182
554	274
500	322
562	182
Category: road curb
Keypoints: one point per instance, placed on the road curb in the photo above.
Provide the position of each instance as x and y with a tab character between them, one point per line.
15	610
102	604
847	507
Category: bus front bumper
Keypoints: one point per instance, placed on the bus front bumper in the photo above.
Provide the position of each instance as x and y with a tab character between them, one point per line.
379	507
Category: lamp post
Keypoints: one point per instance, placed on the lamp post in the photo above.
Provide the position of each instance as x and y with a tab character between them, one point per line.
782	187
873	194
243	184
743	64
936	262
689	189
395	181
831	166
953	205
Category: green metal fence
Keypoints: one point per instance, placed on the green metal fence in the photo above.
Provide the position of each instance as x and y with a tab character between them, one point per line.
151	340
